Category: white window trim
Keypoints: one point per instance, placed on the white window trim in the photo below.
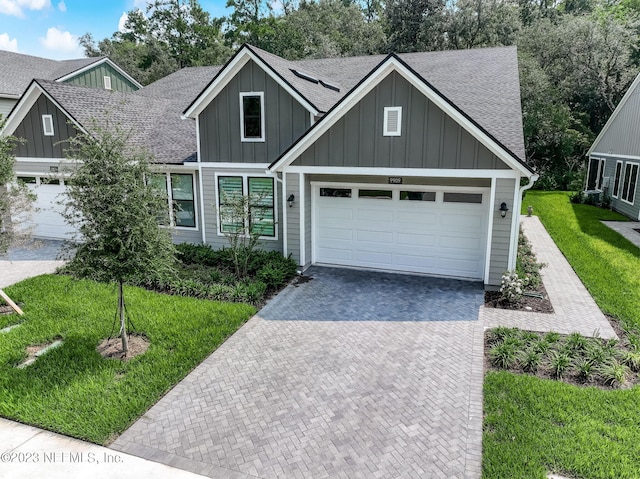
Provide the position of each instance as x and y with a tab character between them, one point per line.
629	185
600	178
243	138
45	130
107	82
614	193
385	121
172	223
245	188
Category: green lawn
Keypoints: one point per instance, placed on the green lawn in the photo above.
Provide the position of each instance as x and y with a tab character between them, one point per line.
72	389
534	426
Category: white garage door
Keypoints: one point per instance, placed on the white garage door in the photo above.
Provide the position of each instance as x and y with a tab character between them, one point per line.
47	221
413	229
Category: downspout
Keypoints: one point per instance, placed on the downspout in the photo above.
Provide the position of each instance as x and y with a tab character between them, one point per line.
516	213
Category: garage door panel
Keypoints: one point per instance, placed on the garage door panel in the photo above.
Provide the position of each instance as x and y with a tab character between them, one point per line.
431	237
368	236
47	221
416	240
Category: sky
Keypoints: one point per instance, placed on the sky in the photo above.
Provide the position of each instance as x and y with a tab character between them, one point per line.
51	28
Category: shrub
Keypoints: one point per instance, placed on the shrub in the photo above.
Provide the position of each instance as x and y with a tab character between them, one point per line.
552	337
499	334
576	342
614	373
527	266
584	369
511	288
558	363
632	359
530	360
504	355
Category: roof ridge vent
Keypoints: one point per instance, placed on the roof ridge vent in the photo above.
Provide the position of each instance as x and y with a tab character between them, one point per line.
305	76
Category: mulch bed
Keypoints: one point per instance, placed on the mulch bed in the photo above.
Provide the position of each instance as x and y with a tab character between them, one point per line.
527	303
112	348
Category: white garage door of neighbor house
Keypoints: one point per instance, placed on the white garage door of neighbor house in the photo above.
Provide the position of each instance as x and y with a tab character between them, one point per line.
440	231
46	220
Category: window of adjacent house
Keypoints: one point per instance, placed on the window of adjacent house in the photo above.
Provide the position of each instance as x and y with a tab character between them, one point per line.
596	174
252	116
29	180
261	214
49	181
630	182
616	180
107	82
47	125
392	121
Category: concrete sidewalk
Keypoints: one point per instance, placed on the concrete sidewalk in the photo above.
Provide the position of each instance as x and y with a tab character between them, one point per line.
28	452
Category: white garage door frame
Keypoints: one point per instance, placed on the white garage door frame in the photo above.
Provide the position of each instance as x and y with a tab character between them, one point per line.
486	205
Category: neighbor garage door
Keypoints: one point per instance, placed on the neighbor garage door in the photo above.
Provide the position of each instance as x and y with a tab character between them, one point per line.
413	229
46	221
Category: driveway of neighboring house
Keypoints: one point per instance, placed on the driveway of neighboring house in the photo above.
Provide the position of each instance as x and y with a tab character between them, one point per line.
350	374
39	257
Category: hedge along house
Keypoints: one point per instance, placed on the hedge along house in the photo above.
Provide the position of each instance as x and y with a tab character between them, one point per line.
407	162
49	113
614	157
19	70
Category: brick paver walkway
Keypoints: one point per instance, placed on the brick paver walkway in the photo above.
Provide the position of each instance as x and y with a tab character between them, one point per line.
574	308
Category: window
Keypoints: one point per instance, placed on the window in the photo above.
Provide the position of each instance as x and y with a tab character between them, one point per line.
630	181
463	198
261	214
178	188
377	194
107	82
29	180
336	192
392	121
616	180
252	116
47	125
596	174
418	195
49	181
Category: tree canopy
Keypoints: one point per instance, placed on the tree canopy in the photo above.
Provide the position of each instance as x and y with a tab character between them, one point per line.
577	57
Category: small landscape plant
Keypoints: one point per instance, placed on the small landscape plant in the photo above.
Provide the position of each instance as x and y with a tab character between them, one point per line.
527	265
511	288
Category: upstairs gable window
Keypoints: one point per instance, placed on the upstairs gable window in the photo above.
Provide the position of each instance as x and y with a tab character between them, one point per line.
252	116
47	125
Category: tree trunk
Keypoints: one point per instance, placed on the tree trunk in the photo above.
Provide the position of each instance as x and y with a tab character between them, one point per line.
123	324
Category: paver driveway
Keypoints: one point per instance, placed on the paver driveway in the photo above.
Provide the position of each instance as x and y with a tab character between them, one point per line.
296	398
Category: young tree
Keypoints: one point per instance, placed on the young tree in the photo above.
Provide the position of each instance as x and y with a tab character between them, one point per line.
16	201
116	213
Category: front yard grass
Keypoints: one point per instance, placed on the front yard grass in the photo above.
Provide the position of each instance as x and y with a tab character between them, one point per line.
534	426
73	389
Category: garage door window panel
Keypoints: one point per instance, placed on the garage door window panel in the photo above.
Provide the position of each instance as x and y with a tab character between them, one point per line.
376	194
417	196
474	198
335	192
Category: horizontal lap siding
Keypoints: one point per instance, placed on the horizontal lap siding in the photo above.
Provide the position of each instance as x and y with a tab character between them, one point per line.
6	104
293	217
211	221
42	168
430	138
501	237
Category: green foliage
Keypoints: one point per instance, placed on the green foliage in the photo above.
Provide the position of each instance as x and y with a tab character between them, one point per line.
511	287
527	266
585	369
73	390
530	360
504	355
614	373
558	363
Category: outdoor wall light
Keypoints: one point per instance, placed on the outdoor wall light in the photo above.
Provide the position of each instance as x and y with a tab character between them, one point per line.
290	200
503	209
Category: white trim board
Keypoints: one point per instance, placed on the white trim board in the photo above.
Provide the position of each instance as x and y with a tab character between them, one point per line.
229	71
236	166
390	65
430	172
614	155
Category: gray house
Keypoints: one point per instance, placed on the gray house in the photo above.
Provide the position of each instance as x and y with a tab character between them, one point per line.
18	70
614	157
407	162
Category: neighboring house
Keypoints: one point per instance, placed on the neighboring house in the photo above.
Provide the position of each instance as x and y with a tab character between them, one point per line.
408	162
18	70
614	157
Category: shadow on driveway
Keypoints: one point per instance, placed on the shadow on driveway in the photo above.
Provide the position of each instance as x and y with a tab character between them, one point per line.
341	294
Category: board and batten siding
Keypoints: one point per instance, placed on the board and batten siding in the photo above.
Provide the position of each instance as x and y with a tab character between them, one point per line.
501	236
37	145
210	190
623	207
622	136
94	78
285	120
429	137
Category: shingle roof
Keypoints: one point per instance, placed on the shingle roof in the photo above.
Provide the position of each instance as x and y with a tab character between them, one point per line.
18	70
154	122
482	82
